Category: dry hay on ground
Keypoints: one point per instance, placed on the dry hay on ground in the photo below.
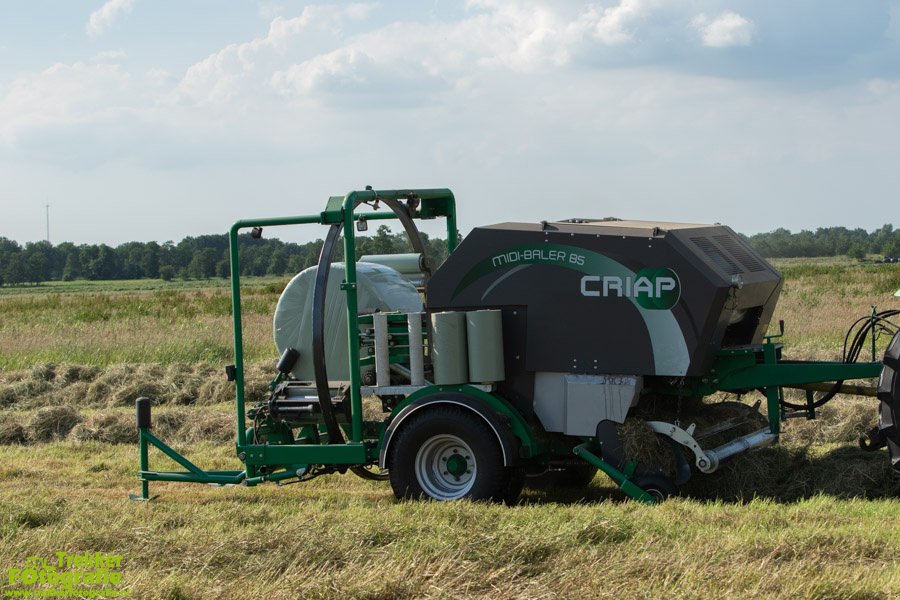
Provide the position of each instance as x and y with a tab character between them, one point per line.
60	402
843	419
172	425
120	385
45	403
789	472
52	423
818	456
11	431
112	428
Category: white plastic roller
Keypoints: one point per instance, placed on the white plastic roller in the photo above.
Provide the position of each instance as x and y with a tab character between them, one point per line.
378	288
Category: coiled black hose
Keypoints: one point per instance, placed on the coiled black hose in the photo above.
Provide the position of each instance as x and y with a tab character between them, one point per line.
864	327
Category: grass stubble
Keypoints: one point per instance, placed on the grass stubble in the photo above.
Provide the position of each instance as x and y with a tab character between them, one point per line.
812	518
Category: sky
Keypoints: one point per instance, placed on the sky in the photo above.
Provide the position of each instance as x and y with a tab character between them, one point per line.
155	120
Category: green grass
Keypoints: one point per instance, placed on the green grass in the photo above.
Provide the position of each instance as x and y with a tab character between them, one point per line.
814	518
341	537
108	325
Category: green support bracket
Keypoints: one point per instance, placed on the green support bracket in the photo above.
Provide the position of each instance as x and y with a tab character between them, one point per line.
333	212
308	454
623	480
338	210
810	405
192	474
773	393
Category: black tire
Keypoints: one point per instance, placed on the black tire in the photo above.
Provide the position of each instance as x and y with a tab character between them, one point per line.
658	486
448	453
572	476
515	483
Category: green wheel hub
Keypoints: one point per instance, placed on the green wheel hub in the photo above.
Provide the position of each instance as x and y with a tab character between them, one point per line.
457	465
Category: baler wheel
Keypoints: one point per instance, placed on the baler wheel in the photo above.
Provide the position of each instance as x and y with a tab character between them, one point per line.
447	453
658	486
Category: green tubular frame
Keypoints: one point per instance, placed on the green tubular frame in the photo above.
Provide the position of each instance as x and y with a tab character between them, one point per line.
622	479
356	451
434	203
339	210
762	368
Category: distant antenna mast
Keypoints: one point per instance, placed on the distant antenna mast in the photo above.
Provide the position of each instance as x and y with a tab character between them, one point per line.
48	222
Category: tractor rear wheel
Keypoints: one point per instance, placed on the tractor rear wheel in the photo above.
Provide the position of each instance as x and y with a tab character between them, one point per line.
448	453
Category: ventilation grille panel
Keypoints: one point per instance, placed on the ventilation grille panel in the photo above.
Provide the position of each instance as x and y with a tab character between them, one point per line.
736	248
712	251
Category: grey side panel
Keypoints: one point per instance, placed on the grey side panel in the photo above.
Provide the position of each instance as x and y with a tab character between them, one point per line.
574	404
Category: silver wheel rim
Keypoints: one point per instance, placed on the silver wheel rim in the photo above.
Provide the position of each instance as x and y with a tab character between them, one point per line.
445	467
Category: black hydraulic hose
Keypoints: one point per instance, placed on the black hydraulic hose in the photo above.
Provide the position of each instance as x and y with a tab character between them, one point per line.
326	255
335	436
412	232
867	326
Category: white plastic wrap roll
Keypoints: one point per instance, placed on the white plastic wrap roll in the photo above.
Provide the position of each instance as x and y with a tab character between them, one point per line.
448	346
416	352
484	335
378	287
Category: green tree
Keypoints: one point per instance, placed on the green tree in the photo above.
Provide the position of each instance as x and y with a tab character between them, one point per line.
857	251
14	272
167	272
150	260
278	263
203	264
36	267
72	269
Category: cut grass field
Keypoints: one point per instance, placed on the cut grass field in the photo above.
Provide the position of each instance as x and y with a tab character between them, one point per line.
813	518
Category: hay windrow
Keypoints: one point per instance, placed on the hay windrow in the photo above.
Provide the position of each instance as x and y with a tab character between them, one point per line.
818	456
11	431
193	403
175	425
110	428
844	419
52	402
120	385
52	423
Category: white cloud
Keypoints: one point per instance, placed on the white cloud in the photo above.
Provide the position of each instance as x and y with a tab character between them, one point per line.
105	16
62	94
530	95
219	77
110	55
726	30
613	27
270	10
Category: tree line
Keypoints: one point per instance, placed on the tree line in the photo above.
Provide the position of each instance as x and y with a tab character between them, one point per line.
201	257
827	241
207	256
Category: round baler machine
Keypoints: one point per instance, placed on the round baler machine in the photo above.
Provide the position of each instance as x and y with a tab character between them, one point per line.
532	355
